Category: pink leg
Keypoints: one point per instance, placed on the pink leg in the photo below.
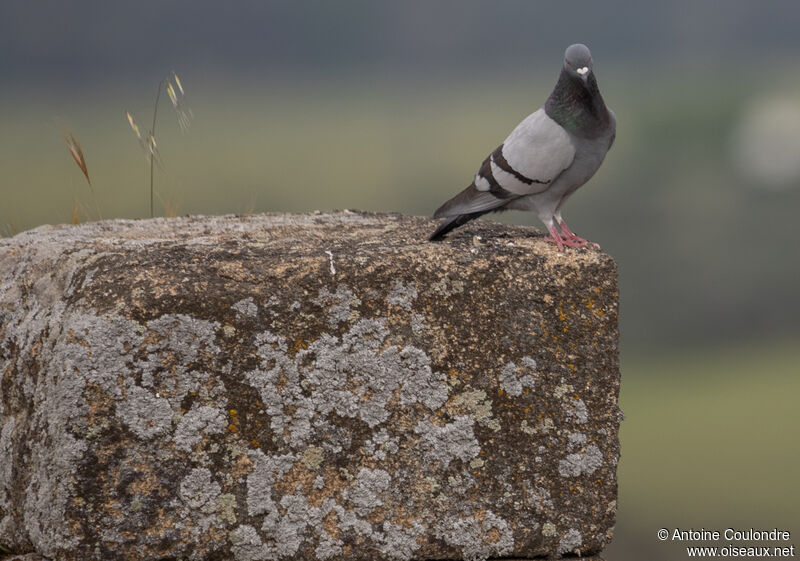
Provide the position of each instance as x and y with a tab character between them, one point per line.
571	236
560	240
555	238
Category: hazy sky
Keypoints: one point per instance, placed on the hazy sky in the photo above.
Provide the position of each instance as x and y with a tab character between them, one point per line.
53	41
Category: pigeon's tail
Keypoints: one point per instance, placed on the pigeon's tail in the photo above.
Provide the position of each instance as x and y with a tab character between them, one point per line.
467	205
453	222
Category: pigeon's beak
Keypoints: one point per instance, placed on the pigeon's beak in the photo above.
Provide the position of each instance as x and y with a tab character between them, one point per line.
583	71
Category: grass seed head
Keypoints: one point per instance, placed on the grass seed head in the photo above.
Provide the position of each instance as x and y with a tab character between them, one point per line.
177	96
134	126
77	154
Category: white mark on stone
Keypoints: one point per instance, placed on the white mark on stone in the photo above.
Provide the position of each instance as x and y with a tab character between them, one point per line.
330	256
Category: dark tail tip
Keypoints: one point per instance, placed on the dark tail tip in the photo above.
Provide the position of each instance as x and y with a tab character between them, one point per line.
452	223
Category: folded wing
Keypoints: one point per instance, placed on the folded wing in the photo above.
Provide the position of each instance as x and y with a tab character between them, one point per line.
532	156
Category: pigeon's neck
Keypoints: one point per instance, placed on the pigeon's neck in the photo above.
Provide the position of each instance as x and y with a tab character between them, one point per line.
577	107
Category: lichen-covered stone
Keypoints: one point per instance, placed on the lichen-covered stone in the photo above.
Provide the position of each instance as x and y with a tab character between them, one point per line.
315	387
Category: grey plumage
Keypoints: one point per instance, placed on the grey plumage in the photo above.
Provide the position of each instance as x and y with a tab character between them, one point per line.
545	159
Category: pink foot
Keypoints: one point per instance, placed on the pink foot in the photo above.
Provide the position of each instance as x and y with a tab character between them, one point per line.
569	235
560	241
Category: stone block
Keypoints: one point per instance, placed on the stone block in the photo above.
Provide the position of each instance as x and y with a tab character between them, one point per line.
305	387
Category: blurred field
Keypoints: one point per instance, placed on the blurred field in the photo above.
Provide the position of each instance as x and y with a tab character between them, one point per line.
724	411
685	225
254	147
709	441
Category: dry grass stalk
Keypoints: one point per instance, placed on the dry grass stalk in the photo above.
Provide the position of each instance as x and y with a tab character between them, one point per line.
77	154
172	206
11	229
75	149
174	88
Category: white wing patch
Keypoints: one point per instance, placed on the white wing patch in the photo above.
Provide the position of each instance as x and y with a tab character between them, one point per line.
481	183
538	148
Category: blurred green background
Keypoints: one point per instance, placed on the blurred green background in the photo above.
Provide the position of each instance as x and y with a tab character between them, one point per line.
391	106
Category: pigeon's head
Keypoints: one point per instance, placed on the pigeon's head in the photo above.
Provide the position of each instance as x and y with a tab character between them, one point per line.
578	61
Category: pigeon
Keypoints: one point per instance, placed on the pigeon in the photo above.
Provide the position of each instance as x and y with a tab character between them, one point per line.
546	157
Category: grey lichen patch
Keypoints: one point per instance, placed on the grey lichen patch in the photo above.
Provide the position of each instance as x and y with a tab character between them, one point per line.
578	412
312	457
575	465
570	542
545	426
477	405
246	544
338	304
147	415
399	543
562	390
285	533
512	381
417	324
548	529
365	495
262	478
246	307
477	539
452	441
445	287
95	351
351	377
6	444
226	509
184	335
202	496
199	490
576	440
402	294
197	422
381	445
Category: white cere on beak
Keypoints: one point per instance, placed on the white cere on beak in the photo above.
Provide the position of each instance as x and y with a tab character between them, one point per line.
583	70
